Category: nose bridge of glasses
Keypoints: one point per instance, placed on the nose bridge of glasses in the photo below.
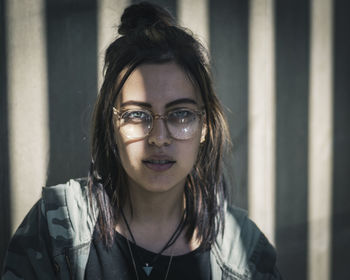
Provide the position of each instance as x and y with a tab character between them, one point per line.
159	128
159	116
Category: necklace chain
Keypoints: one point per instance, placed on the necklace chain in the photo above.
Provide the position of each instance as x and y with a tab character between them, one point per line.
133	260
134	264
170	242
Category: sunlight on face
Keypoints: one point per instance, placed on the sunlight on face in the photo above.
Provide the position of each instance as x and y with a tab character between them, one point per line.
158	162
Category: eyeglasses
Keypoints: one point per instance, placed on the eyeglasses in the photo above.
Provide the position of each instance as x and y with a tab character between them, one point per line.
182	123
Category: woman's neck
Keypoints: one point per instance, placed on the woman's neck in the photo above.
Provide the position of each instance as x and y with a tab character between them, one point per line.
153	218
156	210
149	207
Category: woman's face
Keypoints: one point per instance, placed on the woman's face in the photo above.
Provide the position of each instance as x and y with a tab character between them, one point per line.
158	162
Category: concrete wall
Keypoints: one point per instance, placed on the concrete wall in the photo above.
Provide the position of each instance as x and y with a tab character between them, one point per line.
280	68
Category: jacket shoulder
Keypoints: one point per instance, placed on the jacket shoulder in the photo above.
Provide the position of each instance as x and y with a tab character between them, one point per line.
70	212
242	249
63	218
28	254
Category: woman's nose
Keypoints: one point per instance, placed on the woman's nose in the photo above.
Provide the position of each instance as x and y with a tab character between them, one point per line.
159	135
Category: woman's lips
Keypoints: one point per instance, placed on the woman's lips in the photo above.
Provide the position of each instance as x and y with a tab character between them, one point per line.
158	165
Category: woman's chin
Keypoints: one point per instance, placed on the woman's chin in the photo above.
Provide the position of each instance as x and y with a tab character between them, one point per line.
159	186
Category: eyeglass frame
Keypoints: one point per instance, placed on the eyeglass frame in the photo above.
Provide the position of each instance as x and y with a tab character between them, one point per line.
156	116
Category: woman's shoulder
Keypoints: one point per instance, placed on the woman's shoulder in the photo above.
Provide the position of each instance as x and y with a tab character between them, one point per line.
60	219
238	224
70	211
242	247
65	195
64	214
76	188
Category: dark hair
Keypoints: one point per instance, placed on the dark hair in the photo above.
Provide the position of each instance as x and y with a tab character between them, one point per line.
149	34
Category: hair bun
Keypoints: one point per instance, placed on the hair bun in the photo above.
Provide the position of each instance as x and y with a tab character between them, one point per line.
144	15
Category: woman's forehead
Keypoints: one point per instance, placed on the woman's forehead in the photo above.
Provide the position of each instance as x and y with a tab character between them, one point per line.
158	84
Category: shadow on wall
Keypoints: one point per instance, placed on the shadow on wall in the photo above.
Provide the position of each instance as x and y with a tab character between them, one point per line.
341	142
72	84
171	5
5	214
292	45
229	51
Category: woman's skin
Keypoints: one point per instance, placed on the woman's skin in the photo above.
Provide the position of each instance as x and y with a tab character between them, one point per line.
156	190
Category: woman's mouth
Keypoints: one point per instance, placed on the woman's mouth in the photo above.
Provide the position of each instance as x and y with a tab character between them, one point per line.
159	165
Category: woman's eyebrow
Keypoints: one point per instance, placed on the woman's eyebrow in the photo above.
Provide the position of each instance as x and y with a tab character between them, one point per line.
170	104
181	101
136	103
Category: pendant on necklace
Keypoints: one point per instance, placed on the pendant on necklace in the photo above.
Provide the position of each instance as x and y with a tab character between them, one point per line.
147	269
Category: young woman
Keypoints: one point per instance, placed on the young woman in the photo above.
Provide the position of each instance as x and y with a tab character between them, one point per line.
153	206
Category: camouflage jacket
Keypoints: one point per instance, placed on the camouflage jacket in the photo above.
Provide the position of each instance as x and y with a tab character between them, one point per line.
53	241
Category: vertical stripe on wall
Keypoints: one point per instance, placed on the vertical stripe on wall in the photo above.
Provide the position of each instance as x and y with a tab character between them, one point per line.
27	103
261	114
72	83
229	50
341	142
108	19
292	91
5	213
194	15
320	140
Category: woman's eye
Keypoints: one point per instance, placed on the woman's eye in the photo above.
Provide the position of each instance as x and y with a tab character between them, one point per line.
135	117
181	116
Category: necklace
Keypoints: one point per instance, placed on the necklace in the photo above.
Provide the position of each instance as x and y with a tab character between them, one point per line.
146	271
148	266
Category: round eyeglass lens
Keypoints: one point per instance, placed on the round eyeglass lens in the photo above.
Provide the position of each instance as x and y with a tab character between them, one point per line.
135	124
183	124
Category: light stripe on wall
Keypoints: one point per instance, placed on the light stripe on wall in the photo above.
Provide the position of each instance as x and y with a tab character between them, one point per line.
320	141
261	116
194	15
108	19
27	103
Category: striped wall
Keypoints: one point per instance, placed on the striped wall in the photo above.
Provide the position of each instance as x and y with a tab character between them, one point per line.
281	69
